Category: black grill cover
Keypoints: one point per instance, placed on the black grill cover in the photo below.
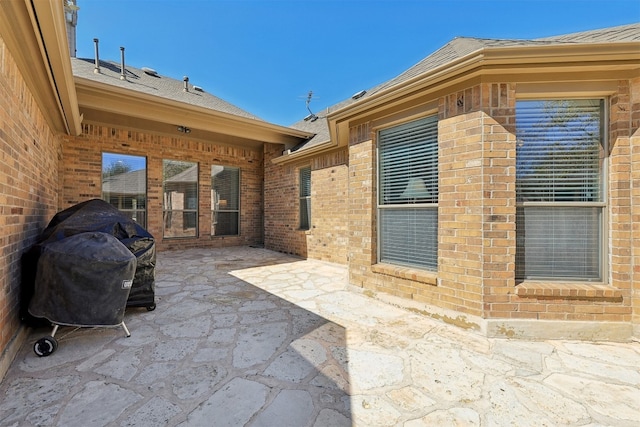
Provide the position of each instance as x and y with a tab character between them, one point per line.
83	280
95	215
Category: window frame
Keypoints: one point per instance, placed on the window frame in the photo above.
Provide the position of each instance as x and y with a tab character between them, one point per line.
304	198
130	212
238	201
167	214
432	206
602	204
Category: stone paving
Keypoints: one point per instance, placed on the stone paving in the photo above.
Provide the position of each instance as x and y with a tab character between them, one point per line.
246	336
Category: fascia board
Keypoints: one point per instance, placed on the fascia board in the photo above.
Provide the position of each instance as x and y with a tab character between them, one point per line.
108	98
575	53
21	34
52	24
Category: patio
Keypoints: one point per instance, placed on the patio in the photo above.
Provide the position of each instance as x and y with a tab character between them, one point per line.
247	336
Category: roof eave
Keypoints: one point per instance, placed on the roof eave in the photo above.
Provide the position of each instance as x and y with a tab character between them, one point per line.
294	156
36	35
113	99
503	60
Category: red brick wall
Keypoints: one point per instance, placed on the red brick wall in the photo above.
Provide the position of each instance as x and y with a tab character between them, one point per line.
326	238
29	153
281	198
476	271
82	166
460	201
362	197
625	195
620	201
634	156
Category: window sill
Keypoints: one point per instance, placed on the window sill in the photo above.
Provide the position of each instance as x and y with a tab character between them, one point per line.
567	290
407	273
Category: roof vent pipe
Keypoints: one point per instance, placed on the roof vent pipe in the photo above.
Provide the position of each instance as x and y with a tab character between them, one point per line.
186	83
97	66
122	74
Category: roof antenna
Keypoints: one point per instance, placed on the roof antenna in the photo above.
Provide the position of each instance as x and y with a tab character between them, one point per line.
312	117
122	74
97	67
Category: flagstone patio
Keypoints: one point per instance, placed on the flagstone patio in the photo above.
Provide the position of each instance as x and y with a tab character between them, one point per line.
247	336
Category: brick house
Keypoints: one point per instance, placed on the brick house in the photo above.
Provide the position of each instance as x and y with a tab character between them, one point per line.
464	187
494	185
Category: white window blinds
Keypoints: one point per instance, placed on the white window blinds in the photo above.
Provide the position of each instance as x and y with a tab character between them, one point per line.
559	151
409	163
559	189
408	194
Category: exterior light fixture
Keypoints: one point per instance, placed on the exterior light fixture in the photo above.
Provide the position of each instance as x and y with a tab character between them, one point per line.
184	129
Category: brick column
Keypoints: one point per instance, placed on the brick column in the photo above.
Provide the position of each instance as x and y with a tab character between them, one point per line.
620	206
477	200
634	107
499	197
361	201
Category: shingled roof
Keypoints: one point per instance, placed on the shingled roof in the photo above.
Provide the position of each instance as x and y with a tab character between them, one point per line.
153	84
456	49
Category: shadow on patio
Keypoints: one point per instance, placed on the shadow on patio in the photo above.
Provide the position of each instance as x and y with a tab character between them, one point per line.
246	336
216	351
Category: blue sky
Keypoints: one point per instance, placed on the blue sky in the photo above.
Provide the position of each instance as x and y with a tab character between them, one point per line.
264	56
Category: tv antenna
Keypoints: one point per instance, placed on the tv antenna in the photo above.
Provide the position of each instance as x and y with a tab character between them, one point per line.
311	117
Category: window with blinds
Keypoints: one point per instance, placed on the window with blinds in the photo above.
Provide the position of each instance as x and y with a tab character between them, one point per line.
305	198
225	200
560	154
180	198
408	194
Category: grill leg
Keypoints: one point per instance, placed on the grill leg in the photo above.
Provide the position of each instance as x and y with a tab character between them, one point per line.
55	329
126	331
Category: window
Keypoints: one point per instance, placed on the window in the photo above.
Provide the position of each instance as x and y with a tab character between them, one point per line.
225	200
180	198
408	194
124	184
305	198
559	188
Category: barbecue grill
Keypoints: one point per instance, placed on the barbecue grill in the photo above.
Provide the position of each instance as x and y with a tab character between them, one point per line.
83	280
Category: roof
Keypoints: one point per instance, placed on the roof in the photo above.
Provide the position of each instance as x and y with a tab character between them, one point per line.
188	175
125	183
458	48
319	127
140	81
622	33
